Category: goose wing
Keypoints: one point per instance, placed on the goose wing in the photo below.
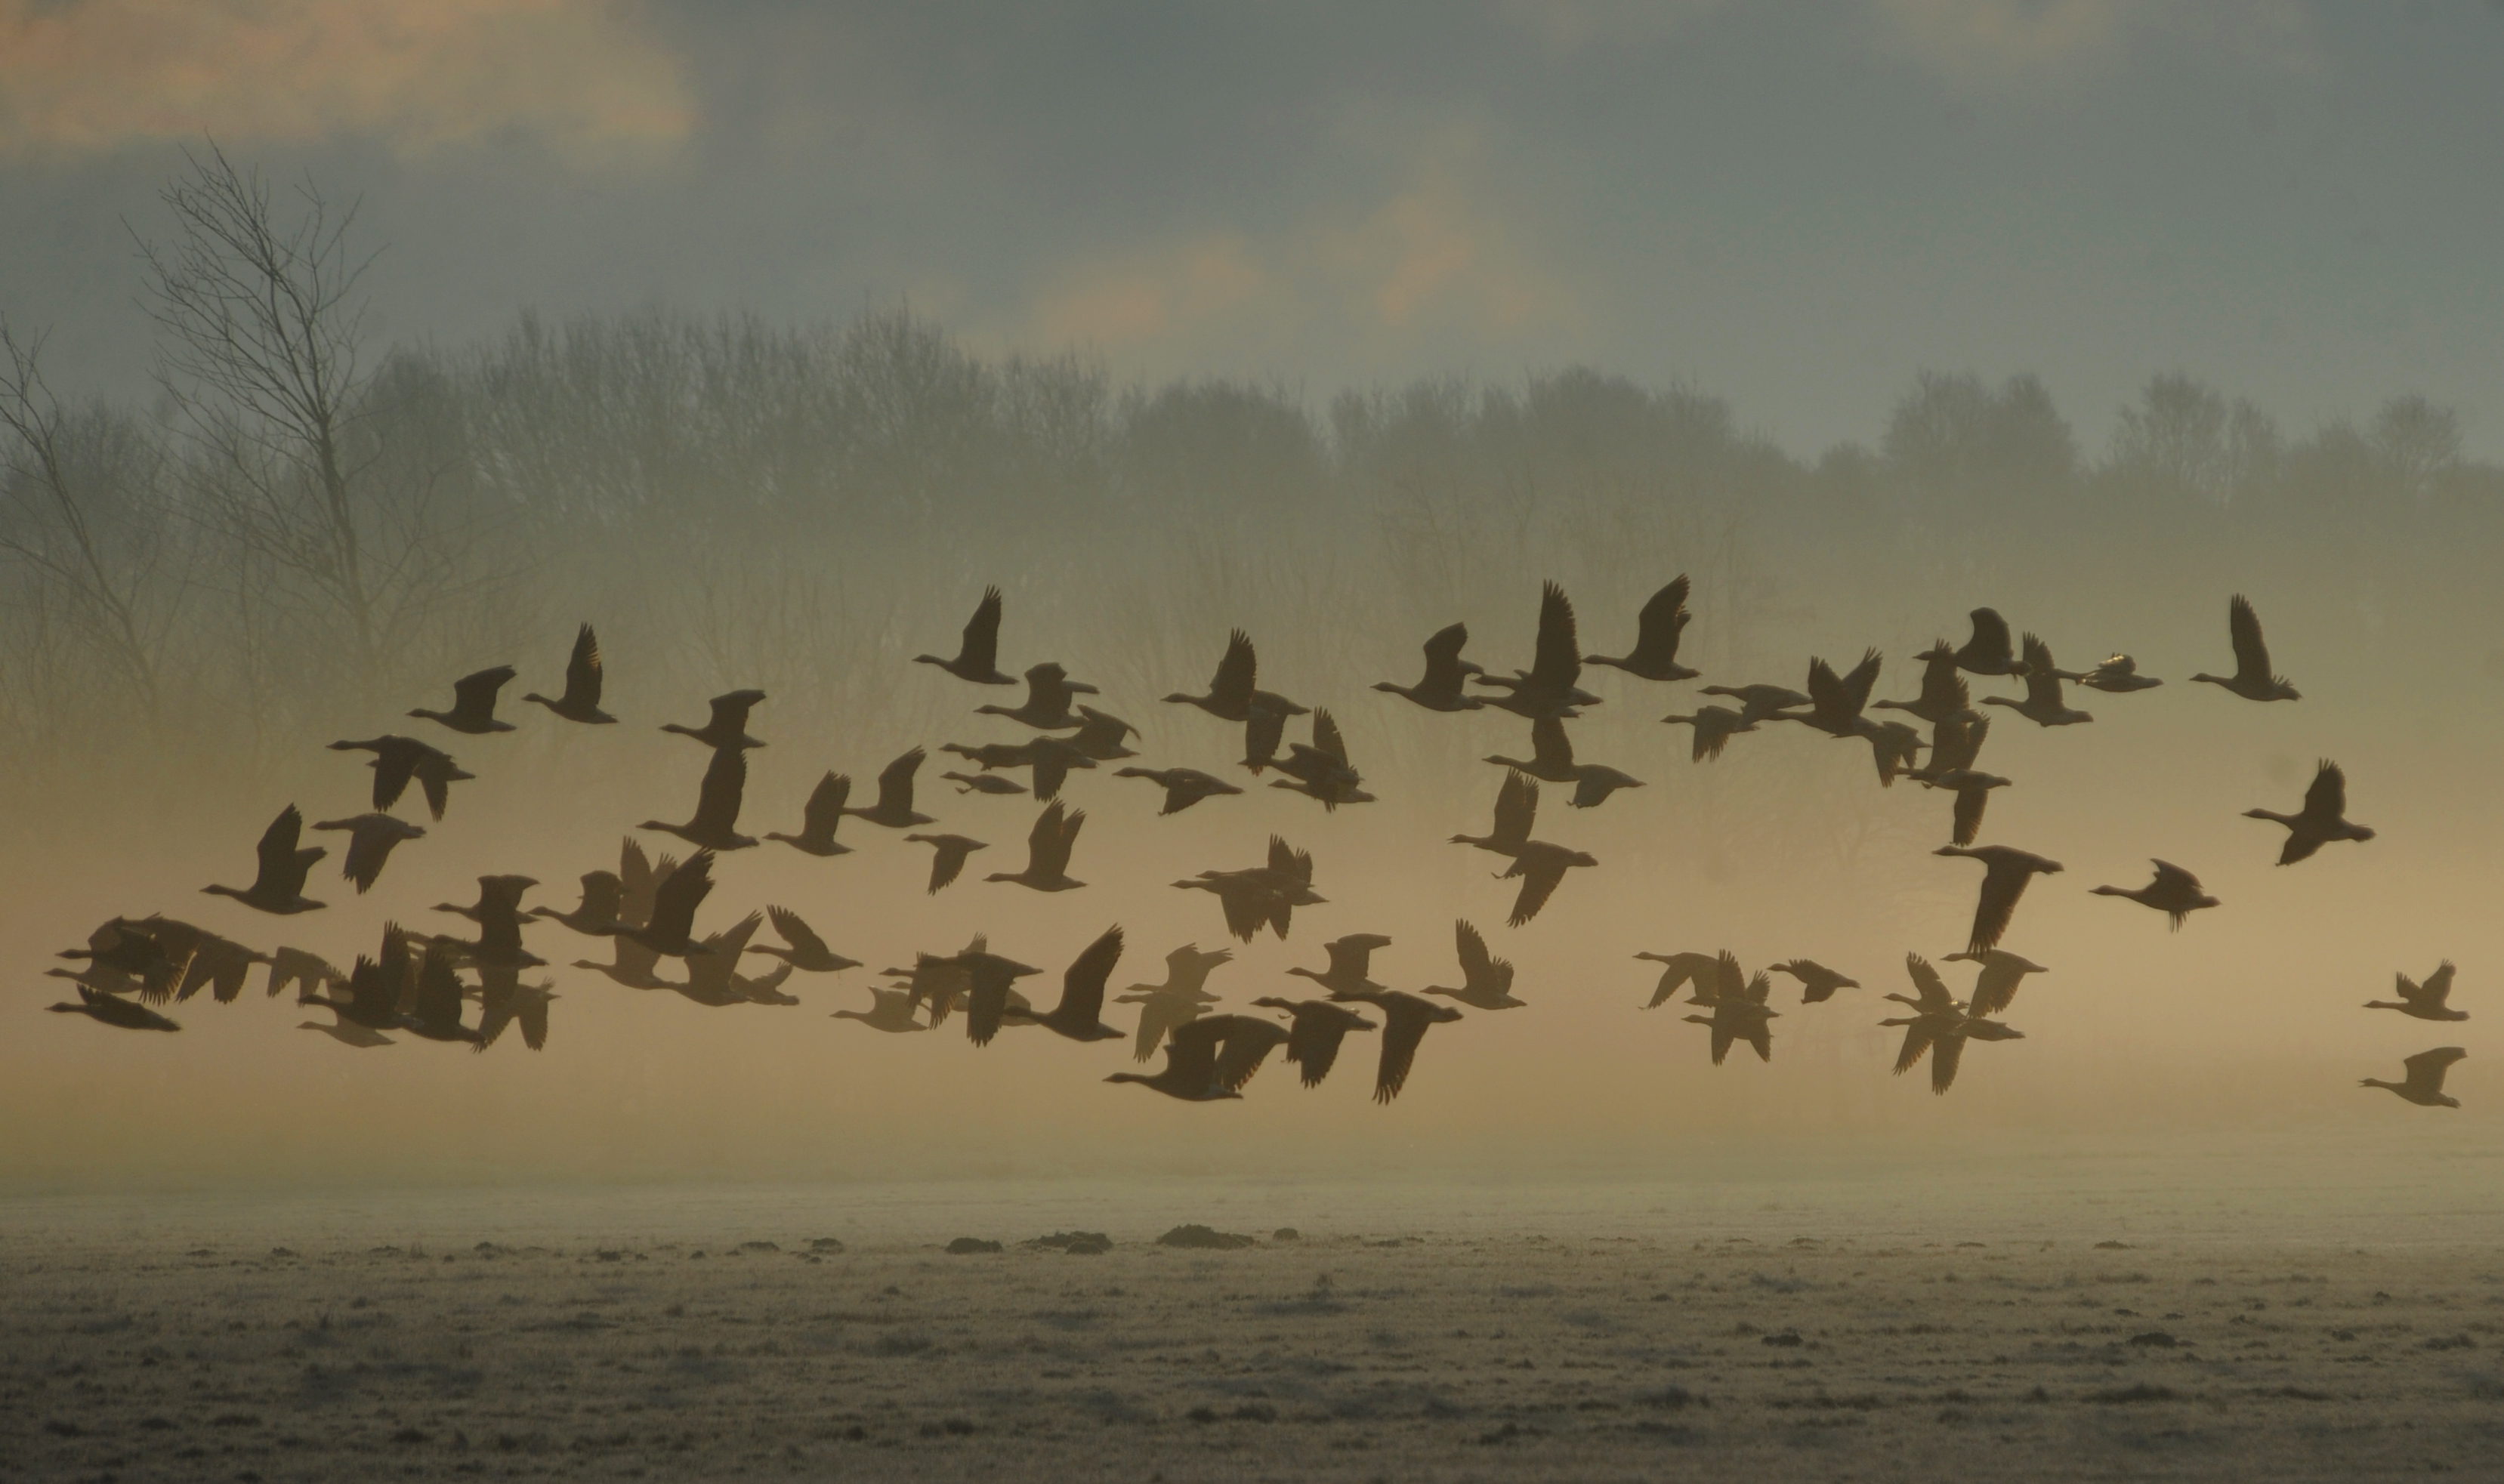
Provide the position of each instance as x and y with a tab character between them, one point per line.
1989	645
1557	661
1857	686
1550	747
674	902
1662	619
1246	1044
2252	651
2043	679
1049	843
1933	991
1967	820
796	932
2426	1069
1232	685
895	783
1403	1028
1082	984
473	696
981	648
1517	808
1263	731
1326	737
2327	799
2004	881
1190	1052
730	712
1160	1014
1478	966
1540	876
1947	1052
1444	668
826	807
635	883
725	784
2171	881
2436	989
584	673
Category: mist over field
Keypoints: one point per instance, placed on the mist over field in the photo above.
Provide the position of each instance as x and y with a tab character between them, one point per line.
347	352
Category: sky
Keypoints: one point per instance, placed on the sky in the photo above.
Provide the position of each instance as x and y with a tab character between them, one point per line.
1796	206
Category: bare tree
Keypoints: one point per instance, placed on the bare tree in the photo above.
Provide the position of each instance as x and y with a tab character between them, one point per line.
80	509
263	346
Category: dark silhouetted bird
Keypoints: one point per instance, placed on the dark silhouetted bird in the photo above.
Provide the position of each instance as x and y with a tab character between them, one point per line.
1655	656
1818	983
438	1013
1487	980
473	703
1265	895
674	900
818	818
1321	771
306	973
1715	726
348	1032
1955	742
728	726
978	653
398	760
2424	1083
2117	675
1191	1063
1404	1021
1547	688
894	806
988	977
1552	759
1103	736
496	894
2174	892
499	919
279	888
1945	692
2043	705
2423	1002
373	992
1440	688
1758	703
1540	866
121	1014
803	949
1516	810
2322	819
1680	970
1894	747
1047	850
984	783
1246	1043
370	839
2006	872
1313	1039
950	861
1835	702
1183	786
1350	958
121	955
714	826
2252	679
1080	1015
209	961
1048	694
1995	987
583	676
1232	696
713	975
1739	1011
598	917
1987	652
1178	1000
891	1011
505	1002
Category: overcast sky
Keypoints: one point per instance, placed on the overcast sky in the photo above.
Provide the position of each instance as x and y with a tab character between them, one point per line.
1796	206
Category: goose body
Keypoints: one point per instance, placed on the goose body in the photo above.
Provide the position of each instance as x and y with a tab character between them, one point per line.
2322	819
2174	892
279	887
1487	980
2253	679
728	725
1438	689
2424	1085
976	657
473	704
2006	872
818	818
1657	628
1183	786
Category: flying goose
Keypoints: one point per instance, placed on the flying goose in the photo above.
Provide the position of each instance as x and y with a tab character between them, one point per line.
500	921
1995	987
279	888
1945	692
1547	688
398	760
1440	688
1245	1043
1321	771
1047	850
2117	675
438	1013
1818	983
984	783
804	950
1655	656
949	860
373	995
1103	735
583	675
2252	679
818	818
2043	705
505	1001
124	955
1715	726
1758	703
712	974
306	972
1180	999
891	1011
348	1032
1835	703
1739	1013
2174	892
1231	694
473	703
1894	747
1405	1019
370	839
106	1010
492	890
1540	866
2423	1002
1191	1063
209	961
599	915
1487	980
1313	1038
1080	1015
894	806
1679	970
1350	957
1183	786
728	725
2424	1083
1516	810
674	900
1262	895
718	802
2006	872
1048	693
2322	819
978	652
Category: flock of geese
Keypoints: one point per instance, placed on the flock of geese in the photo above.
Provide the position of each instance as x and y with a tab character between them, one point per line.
646	908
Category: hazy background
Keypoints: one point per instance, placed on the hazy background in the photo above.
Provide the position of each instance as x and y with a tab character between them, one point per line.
766	342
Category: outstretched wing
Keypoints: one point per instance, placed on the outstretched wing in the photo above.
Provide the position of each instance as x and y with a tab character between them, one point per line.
2172	879
2043	680
895	782
277	849
1539	882
1444	668
675	903
1864	679
2426	1068
982	648
1557	662
1663	618
826	807
474	695
1516	808
1932	989
804	940
1232	685
1402	1031
1326	737
1476	964
2327	798
2252	651
584	673
725	784
1550	747
1082	984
